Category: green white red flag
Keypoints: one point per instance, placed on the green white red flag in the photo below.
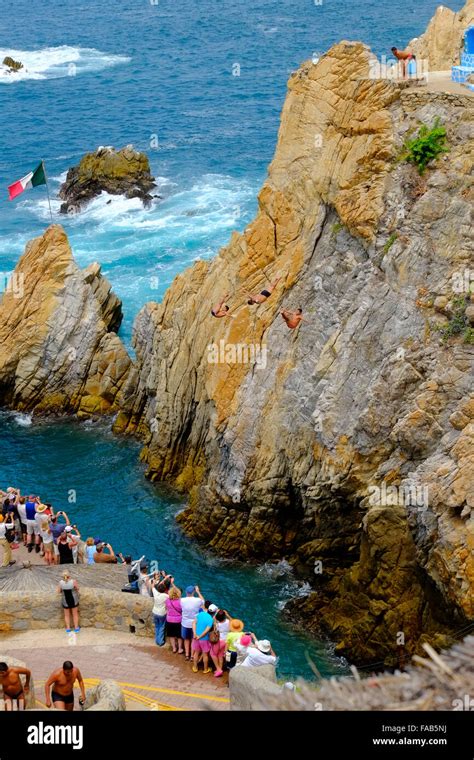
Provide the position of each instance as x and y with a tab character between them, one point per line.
32	179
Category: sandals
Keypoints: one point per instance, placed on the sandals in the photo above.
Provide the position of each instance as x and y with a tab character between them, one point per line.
195	669
180	651
208	670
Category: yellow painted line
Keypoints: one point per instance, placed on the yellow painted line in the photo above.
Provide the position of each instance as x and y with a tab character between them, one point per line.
142	699
139	698
95	681
172	691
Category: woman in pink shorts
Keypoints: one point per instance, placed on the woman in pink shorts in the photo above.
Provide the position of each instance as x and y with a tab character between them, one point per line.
221	624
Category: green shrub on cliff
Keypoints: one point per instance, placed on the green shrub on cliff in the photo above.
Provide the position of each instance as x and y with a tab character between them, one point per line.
427	146
458	323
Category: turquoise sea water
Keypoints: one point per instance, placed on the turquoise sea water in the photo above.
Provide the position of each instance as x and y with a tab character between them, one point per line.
159	75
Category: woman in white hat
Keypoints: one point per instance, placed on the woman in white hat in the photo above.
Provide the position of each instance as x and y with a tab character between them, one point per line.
260	653
70	591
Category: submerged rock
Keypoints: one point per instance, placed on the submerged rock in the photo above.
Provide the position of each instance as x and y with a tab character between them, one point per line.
59	351
118	172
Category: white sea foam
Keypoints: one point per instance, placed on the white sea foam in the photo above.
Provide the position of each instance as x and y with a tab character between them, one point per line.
212	204
56	62
23	420
276	570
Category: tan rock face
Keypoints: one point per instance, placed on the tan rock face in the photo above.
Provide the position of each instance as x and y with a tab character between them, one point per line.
57	349
281	457
441	44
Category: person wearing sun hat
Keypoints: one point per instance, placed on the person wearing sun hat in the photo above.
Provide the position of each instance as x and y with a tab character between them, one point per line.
260	653
41	517
236	627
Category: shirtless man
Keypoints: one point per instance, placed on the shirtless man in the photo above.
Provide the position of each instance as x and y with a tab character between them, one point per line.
403	56
62	681
13	688
221	309
264	294
292	318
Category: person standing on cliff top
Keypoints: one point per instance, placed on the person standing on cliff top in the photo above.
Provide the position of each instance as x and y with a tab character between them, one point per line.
404	56
13	689
292	318
264	294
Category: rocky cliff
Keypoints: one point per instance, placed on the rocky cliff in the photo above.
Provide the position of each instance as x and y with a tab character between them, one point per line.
441	44
349	450
118	172
58	348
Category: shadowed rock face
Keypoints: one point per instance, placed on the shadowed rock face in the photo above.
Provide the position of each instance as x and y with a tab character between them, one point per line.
285	459
58	348
119	172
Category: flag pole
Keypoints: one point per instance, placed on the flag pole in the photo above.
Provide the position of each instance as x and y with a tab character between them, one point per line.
47	190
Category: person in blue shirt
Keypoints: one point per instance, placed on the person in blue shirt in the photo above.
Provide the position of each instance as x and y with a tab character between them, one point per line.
32	527
203	623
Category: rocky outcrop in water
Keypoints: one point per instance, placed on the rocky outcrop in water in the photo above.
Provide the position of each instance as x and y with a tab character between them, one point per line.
12	65
441	44
59	351
349	450
118	172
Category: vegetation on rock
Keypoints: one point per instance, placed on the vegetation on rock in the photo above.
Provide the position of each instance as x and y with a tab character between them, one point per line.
427	146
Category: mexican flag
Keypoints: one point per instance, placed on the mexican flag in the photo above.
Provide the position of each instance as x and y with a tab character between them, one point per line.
34	178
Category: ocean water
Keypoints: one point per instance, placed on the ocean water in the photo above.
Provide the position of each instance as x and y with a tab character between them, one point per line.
199	87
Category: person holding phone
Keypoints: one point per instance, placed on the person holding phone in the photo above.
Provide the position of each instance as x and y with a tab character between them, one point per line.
6	524
56	529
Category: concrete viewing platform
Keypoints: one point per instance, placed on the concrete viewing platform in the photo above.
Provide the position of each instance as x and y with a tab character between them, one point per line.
151	678
115	641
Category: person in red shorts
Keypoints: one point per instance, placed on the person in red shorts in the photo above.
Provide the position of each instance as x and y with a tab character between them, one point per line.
202	626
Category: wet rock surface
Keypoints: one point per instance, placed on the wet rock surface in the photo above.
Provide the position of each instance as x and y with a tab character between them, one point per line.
118	172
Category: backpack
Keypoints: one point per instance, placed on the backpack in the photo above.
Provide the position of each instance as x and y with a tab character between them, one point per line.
214	635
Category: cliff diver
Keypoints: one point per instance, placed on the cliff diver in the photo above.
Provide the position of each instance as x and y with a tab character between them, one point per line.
62	680
13	689
264	294
292	318
404	56
221	309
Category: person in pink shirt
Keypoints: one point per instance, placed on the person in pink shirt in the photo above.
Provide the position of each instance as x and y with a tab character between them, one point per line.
173	619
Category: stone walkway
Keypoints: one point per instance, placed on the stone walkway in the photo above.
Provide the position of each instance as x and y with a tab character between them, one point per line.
440	81
151	678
